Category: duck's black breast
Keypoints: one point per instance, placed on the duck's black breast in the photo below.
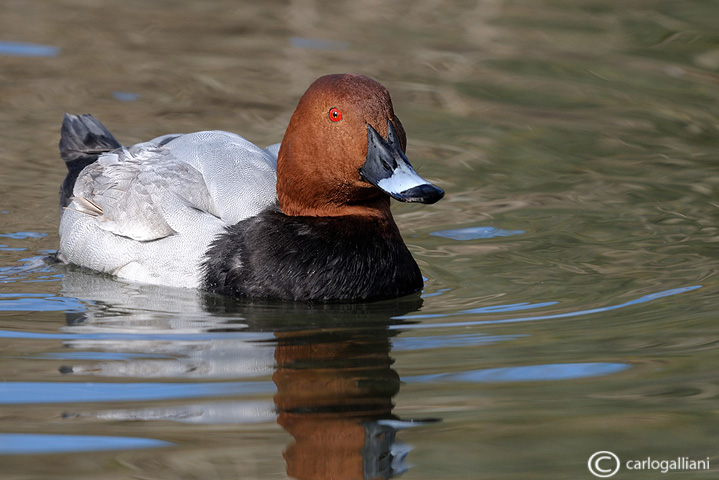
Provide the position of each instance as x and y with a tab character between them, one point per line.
273	255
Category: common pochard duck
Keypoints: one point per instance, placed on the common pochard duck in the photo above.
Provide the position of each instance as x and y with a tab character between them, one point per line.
307	219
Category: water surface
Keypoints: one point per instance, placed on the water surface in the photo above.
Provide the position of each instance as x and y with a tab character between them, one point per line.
571	290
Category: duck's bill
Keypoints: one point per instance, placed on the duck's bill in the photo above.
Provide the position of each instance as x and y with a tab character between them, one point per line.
387	168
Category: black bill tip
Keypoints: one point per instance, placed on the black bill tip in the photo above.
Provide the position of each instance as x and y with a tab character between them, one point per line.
425	193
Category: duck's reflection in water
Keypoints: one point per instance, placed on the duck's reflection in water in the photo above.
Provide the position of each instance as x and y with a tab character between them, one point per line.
334	396
330	365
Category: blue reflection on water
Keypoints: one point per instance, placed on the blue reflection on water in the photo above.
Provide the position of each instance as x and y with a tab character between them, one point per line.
439	292
38	302
24	49
33	266
513	307
57	392
103	356
21	443
23	235
318	43
19	236
5	248
124	336
473	233
454	341
125	96
643	299
529	373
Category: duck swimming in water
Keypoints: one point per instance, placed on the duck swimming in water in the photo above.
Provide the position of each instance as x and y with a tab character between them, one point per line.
308	219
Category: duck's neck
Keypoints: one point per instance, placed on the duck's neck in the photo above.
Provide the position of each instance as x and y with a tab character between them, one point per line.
378	207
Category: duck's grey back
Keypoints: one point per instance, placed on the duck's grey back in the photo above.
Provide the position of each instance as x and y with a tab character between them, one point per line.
161	203
239	176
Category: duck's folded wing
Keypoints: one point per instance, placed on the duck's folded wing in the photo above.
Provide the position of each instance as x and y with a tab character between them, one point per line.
143	196
239	175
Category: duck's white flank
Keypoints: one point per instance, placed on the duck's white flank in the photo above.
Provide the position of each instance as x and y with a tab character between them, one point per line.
148	212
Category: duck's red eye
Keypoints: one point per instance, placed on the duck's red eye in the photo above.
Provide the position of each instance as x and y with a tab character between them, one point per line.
335	114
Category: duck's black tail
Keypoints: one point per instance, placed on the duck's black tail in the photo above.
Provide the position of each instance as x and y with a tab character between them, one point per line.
82	139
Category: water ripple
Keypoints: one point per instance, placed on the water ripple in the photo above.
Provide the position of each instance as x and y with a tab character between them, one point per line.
125	96
489	309
57	392
451	341
38	302
529	373
175	337
318	43
23	235
24	49
474	233
646	298
23	443
33	266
